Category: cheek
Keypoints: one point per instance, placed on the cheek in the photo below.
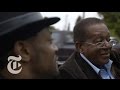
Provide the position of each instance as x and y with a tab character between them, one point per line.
91	52
47	54
48	59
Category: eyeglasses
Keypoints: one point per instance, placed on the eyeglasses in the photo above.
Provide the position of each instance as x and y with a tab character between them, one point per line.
103	43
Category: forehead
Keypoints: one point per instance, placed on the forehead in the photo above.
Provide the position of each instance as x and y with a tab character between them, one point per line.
98	29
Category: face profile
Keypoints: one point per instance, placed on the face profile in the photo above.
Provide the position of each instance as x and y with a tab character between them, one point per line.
27	50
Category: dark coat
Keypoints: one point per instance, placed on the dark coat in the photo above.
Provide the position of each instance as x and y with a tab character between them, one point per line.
77	68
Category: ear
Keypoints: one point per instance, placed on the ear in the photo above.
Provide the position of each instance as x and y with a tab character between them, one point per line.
79	46
22	48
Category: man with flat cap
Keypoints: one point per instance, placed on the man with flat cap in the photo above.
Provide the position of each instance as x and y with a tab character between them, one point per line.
26	48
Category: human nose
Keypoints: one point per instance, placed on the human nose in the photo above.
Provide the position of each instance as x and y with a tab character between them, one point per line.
107	44
55	47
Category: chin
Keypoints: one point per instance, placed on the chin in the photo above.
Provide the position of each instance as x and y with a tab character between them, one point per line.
105	61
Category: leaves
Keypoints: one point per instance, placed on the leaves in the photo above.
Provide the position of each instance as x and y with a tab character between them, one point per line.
112	20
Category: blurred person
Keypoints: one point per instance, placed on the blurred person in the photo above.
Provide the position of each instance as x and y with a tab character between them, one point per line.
91	60
115	56
26	48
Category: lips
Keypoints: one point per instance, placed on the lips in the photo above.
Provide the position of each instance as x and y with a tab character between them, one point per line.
105	55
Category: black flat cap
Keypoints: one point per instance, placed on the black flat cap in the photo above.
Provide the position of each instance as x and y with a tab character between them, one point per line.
13	27
10	21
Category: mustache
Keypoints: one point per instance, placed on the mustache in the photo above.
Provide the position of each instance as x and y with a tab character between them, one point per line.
105	50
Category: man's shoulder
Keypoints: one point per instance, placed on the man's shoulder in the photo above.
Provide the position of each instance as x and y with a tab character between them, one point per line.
71	69
69	62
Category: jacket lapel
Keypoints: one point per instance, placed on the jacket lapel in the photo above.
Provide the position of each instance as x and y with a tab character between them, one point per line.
86	68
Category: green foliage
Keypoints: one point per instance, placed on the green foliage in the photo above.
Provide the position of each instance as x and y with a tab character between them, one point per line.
112	20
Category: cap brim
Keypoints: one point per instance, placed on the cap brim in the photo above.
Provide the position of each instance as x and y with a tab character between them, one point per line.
49	21
38	26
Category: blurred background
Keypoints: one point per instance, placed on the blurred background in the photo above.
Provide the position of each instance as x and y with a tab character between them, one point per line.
68	19
62	31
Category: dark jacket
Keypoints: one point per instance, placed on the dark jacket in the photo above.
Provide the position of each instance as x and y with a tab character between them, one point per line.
77	68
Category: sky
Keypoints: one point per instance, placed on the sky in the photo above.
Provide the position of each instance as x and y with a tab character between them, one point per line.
67	17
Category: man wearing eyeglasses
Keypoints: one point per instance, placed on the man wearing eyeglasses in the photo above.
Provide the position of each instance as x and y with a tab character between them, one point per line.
93	47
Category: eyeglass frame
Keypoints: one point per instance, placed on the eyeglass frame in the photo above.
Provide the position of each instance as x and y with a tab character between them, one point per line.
98	43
